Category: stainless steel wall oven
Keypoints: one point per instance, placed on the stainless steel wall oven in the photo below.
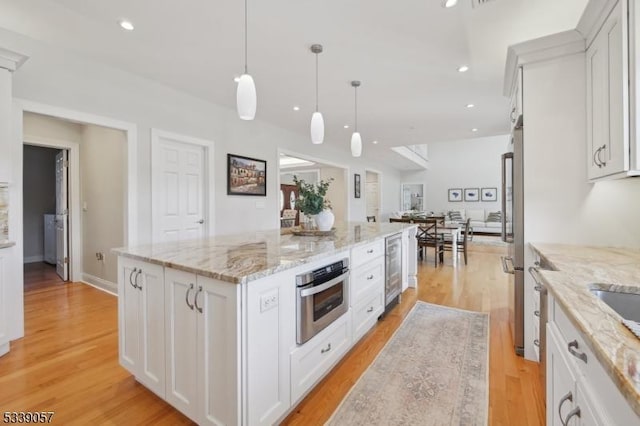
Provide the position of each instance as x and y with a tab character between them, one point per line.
322	296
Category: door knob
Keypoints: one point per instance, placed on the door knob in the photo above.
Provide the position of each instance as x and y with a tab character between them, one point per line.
201	221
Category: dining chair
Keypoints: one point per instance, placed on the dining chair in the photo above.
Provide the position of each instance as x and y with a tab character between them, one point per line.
288	218
462	241
428	236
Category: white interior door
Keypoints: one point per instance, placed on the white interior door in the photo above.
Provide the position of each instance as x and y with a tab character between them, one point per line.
178	190
373	199
62	216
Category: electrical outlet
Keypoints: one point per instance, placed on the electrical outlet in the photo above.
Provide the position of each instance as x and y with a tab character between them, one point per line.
100	256
269	301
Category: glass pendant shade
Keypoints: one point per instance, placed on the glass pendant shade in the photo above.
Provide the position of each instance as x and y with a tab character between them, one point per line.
317	128
356	144
246	97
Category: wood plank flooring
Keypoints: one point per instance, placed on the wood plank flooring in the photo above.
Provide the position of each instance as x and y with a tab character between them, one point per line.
68	360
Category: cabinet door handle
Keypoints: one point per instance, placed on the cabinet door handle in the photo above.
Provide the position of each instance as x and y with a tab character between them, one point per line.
186	297
513	115
574	412
370	277
567	397
595	157
602	148
370	309
195	299
136	279
536	313
325	350
370	251
536	342
572	346
133	271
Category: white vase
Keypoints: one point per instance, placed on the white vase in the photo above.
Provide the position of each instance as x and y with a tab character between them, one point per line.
324	220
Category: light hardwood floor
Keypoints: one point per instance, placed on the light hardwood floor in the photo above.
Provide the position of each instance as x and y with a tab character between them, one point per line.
68	360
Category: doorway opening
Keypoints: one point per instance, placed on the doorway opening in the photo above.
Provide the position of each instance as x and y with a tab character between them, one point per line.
310	170
372	195
45	212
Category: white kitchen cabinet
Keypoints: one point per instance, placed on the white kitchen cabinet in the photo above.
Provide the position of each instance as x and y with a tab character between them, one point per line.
367	283
515	105
141	322
576	382
202	325
4	323
271	313
608	97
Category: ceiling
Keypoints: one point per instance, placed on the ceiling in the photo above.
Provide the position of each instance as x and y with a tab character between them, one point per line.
405	53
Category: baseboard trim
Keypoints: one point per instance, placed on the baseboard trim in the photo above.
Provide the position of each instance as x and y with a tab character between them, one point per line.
33	259
100	284
4	349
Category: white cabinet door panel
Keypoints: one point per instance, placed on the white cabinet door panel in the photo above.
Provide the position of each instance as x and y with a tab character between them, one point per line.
129	315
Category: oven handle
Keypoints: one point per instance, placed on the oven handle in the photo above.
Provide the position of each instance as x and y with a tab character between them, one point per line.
322	287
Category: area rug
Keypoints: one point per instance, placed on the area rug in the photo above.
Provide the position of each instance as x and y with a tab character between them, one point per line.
433	371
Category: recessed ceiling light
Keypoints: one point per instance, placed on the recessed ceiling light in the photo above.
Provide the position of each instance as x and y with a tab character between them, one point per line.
236	79
375	142
296	108
346	126
449	3
127	25
470	105
463	68
474	130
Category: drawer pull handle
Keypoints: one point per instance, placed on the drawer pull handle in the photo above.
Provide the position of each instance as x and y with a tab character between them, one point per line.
567	397
370	309
327	349
370	277
536	313
370	251
572	346
574	412
536	342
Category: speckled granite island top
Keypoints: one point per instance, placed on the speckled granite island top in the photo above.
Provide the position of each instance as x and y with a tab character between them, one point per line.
580	268
6	244
246	257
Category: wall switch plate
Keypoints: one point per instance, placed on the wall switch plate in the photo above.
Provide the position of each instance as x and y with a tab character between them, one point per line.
269	300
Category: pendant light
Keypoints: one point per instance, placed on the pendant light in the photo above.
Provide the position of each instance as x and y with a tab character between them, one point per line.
246	100
356	140
317	122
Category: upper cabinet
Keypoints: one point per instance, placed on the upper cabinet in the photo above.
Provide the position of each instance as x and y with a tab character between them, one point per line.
607	62
611	56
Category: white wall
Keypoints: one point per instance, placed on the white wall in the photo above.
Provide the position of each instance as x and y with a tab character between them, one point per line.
337	192
39	186
102	184
309	176
468	163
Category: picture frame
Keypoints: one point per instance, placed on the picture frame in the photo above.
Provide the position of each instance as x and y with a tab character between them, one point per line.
356	185
471	194
489	194
246	176
455	195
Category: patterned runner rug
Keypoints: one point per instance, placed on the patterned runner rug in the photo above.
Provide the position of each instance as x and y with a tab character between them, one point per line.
433	371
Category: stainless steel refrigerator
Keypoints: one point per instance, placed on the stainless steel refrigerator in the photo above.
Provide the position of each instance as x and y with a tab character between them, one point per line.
513	232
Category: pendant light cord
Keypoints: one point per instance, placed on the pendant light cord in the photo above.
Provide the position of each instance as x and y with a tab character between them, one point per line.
245	37
316	82
356	90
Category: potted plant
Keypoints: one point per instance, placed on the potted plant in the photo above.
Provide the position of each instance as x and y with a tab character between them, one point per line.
313	204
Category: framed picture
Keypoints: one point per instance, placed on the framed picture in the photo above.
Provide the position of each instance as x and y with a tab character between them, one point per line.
455	194
471	194
246	176
489	194
356	185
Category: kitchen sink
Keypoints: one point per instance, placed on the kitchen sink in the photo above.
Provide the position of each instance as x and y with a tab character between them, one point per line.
627	305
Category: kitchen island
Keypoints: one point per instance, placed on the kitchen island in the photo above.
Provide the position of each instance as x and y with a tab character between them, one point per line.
591	355
210	325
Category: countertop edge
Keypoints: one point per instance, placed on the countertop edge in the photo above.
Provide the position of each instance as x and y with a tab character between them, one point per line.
629	392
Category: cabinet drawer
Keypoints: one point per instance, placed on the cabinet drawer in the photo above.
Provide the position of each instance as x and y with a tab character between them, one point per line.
365	277
582	357
311	361
363	254
366	313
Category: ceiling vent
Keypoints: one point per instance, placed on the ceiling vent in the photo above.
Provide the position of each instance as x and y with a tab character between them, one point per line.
478	3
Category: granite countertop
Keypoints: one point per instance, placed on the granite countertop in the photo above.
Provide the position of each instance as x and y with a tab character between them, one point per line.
6	244
245	257
579	268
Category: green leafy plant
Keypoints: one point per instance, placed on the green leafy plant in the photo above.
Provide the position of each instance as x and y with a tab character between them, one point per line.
311	196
